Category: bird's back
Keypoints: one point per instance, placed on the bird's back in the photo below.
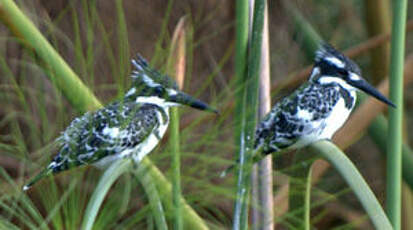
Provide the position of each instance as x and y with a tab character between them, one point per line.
106	132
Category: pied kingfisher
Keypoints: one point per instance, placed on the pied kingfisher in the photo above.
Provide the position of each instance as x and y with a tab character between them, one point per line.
130	127
317	109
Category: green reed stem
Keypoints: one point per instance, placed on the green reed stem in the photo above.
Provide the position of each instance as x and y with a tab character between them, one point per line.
249	118
176	167
300	190
306	35
63	76
176	67
394	148
241	50
378	130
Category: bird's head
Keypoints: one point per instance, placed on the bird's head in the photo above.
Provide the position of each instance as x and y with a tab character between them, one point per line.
150	86
332	67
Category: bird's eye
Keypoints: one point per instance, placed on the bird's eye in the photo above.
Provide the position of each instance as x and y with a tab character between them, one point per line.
342	72
159	90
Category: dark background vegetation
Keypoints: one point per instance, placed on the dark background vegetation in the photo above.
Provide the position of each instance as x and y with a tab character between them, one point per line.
30	121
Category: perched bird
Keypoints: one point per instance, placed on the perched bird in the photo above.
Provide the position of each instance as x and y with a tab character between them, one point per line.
130	127
317	109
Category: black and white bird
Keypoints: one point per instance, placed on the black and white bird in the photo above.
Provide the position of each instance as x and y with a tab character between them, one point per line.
128	128
317	109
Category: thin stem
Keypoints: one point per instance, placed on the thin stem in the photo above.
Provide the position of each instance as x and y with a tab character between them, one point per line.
378	22
176	67
152	193
241	49
265	178
377	131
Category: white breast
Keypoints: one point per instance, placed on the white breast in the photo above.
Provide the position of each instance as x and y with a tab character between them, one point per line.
337	118
142	149
325	129
152	140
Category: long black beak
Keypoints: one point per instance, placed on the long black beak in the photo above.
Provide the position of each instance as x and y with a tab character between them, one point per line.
185	99
364	86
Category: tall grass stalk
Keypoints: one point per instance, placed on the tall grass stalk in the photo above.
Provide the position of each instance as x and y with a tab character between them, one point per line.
241	51
265	177
394	148
306	34
378	130
249	118
123	61
176	67
80	96
63	76
300	191
163	33
89	22
378	22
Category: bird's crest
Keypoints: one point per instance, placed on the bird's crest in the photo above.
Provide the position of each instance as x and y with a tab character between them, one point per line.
327	54
143	72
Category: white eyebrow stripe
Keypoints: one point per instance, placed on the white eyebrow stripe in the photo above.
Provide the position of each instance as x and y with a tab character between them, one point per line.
172	92
335	61
130	92
139	67
315	72
354	77
149	81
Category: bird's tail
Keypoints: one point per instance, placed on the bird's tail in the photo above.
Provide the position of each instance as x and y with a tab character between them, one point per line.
47	171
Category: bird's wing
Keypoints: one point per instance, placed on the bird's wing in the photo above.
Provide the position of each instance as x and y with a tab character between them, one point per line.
106	132
300	114
295	116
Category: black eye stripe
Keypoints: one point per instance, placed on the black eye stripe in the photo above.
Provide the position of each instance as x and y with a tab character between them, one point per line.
158	90
342	71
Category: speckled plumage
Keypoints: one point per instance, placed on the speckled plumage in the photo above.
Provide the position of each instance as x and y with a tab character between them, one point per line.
130	127
302	114
107	132
314	111
317	109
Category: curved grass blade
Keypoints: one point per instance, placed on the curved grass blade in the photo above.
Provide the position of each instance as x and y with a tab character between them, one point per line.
300	190
351	175
153	196
106	181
